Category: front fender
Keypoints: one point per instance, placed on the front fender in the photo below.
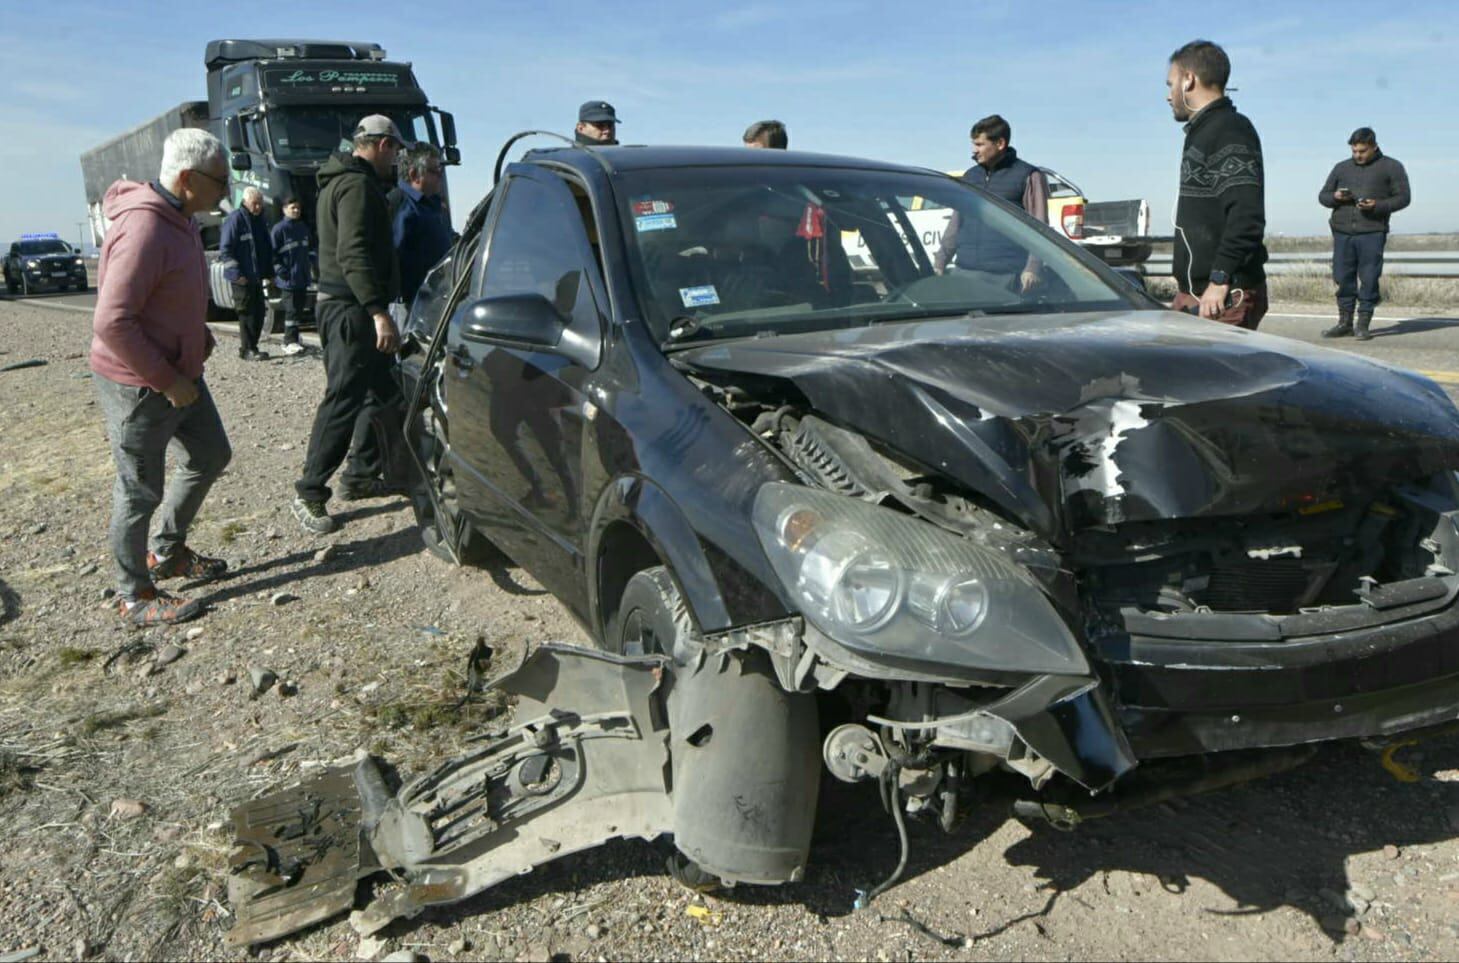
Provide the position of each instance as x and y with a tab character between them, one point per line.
719	593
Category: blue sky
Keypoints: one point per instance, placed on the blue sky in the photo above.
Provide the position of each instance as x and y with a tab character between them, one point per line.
1081	83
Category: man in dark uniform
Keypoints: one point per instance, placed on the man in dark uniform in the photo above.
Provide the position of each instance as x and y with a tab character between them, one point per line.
998	170
358	279
1363	192
597	124
249	257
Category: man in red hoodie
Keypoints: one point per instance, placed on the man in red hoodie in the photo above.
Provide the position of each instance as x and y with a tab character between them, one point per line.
150	342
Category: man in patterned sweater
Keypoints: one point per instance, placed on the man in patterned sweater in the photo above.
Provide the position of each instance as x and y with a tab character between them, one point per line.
1220	219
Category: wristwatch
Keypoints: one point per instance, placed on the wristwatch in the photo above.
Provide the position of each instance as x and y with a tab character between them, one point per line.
1220	277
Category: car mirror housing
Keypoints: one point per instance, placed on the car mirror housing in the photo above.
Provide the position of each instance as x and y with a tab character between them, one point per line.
241	162
514	320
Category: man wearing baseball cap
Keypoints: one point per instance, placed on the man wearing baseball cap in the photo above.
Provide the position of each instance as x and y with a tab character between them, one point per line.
358	279
597	124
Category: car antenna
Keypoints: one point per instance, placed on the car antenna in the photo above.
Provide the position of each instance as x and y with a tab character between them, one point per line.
501	158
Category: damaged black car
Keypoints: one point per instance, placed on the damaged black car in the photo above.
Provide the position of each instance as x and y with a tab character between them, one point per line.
1009	519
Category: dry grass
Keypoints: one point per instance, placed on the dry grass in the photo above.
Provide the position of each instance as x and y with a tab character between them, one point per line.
1396	242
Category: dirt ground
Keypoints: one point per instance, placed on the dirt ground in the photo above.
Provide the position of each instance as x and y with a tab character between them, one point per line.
117	775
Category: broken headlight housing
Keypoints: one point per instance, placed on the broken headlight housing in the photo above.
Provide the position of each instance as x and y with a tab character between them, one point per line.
881	582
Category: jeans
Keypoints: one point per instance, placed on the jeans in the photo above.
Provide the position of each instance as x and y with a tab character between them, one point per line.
359	381
248	299
142	425
1357	264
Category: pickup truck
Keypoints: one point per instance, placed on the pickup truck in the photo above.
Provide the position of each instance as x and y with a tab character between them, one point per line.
43	262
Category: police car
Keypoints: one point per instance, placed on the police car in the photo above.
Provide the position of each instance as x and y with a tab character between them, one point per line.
43	262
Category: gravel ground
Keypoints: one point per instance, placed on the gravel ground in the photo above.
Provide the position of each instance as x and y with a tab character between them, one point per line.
117	772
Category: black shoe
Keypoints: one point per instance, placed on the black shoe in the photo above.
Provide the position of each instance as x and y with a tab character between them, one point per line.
1360	328
354	491
254	355
1339	330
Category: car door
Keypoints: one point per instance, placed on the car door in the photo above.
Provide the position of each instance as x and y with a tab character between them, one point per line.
517	413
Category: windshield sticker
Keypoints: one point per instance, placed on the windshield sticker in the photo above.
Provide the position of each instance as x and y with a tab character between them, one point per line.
655	222
647	206
699	297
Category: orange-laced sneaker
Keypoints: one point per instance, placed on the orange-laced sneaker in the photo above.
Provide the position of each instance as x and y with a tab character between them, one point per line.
185	563
155	607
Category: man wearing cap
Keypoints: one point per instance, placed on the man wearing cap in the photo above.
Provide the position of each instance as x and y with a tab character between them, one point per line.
358	278
597	124
1362	192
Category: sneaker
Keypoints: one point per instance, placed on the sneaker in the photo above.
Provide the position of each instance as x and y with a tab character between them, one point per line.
292	348
354	491
313	517
155	607
185	563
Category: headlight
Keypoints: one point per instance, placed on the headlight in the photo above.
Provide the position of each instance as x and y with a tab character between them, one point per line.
32	265
881	582
79	263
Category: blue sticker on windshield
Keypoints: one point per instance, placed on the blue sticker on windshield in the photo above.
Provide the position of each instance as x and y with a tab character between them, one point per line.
655	222
704	294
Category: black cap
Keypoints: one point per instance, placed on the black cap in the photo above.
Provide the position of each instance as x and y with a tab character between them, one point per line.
597	112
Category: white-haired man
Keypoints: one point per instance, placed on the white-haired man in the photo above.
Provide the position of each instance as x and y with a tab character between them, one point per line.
249	256
150	342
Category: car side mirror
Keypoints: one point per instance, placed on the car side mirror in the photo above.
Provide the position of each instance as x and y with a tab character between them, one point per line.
452	156
514	320
241	162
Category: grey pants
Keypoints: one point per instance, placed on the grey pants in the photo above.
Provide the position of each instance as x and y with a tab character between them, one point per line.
142	425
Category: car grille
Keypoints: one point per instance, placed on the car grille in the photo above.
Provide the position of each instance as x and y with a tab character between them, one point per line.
1263	585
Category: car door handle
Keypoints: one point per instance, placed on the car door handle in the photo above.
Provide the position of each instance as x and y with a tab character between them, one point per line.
462	356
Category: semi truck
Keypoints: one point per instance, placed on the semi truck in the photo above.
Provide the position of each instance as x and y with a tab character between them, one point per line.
281	107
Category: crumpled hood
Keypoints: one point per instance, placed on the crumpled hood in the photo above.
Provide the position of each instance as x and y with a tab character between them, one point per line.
1070	421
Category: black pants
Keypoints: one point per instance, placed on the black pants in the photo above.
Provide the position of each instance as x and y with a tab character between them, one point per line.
359	381
1357	264
248	299
294	303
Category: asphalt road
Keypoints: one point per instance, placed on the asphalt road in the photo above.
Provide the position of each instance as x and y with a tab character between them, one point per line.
1428	343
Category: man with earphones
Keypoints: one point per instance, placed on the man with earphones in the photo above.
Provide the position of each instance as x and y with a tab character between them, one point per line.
1220	216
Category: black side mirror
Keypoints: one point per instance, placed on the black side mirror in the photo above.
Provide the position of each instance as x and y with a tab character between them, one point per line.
241	162
448	128
233	133
452	156
1133	277
515	320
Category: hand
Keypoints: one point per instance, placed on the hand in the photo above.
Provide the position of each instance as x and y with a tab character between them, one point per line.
387	339
1367	204
1028	280
1342	195
182	393
1213	301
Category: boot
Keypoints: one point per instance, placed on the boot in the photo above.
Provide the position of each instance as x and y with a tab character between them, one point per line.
1360	326
1344	326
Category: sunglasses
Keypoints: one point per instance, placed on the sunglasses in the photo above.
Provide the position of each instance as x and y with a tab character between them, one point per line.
222	184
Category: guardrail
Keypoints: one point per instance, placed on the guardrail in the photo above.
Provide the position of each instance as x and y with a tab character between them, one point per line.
1409	264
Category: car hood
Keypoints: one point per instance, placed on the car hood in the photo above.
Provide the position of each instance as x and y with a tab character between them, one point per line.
1071	421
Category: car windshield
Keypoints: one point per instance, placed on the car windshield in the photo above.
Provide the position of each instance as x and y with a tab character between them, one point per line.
44	246
313	133
738	251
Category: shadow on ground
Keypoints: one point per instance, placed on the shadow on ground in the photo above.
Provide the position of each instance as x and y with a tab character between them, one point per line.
1413	326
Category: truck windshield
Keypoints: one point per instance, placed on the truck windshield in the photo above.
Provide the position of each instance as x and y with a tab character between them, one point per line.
740	251
44	246
313	133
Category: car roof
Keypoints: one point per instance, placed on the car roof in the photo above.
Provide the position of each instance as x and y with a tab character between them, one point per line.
658	157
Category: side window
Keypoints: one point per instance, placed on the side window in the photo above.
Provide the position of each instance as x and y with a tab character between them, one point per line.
535	249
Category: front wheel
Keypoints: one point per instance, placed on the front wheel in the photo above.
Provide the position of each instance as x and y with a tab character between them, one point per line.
652	619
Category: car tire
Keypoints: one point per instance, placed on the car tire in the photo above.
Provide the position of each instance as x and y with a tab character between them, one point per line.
10	286
652	618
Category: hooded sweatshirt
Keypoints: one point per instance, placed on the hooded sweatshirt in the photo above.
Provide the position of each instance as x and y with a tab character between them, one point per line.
149	328
356	253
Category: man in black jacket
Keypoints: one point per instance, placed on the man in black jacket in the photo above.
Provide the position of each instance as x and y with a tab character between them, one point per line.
1220	219
358	278
1362	192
